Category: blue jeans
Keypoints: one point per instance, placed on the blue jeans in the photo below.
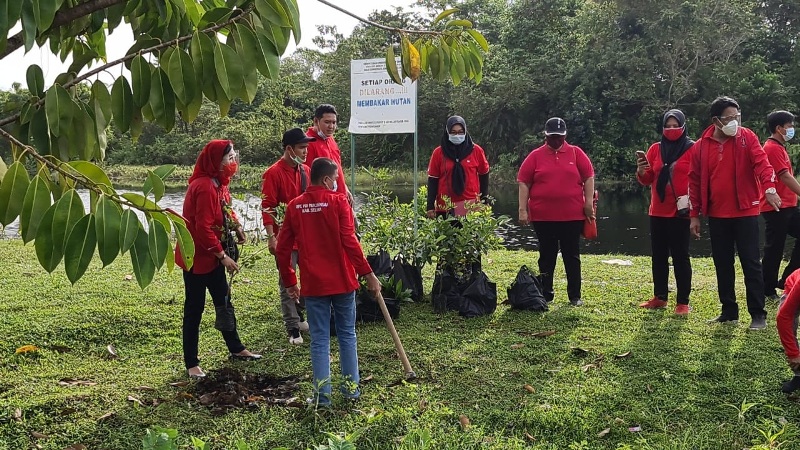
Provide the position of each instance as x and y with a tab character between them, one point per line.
318	310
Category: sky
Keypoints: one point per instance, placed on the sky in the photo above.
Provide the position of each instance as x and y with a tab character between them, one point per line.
312	13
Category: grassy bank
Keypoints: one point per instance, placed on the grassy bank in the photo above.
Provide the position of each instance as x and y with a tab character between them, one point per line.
684	383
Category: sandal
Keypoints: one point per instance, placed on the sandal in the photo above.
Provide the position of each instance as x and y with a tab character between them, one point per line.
198	375
248	357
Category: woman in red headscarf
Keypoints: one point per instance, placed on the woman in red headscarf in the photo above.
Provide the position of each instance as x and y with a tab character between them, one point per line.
210	220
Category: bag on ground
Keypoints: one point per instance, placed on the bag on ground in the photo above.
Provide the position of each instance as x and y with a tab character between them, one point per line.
526	292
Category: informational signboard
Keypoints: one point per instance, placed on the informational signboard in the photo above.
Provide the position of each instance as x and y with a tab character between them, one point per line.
377	104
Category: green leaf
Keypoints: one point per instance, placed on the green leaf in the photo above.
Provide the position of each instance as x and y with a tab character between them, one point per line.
35	78
56	224
39	132
143	266
140	76
182	76
270	65
101	104
155	185
59	109
162	99
391	65
185	241
48	254
193	11
122	104
479	39
229	69
158	243
170	259
9	14
444	14
293	11
214	16
202	50
93	173
35	204
44	11
140	201
459	23
79	249
108	221
249	86
28	25
273	11
129	227
12	192
3	169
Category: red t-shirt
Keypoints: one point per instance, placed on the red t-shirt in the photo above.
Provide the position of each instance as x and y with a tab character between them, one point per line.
787	314
722	199
281	183
556	180
326	148
780	162
678	187
321	222
441	167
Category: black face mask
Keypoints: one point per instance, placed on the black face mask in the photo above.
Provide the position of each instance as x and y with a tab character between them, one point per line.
555	141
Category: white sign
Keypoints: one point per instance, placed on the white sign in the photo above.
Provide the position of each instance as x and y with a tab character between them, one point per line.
377	104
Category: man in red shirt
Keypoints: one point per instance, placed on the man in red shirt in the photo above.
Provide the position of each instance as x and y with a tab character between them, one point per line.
282	182
729	172
321	222
325	123
788	313
786	221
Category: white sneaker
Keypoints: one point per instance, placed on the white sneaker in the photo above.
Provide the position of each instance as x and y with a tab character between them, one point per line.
294	337
303	326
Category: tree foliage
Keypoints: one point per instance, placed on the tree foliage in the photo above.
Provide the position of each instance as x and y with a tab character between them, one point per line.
187	55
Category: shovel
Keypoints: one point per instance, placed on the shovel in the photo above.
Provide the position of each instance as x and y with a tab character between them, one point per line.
410	375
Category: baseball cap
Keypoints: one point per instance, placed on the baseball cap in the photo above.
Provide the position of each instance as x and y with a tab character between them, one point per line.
555	125
296	136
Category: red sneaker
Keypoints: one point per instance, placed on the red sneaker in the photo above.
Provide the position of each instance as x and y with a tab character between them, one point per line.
654	303
682	310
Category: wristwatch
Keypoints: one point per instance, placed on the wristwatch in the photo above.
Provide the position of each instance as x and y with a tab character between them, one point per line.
771	190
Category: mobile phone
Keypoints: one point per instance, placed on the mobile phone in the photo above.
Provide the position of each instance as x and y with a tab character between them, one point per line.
640	154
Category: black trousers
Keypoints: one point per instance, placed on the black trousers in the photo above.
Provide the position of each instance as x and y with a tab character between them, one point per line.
564	235
729	236
777	225
195	287
670	236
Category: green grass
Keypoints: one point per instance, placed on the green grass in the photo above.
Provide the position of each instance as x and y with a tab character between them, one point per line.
678	384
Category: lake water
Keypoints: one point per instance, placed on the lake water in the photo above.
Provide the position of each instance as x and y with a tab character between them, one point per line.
623	224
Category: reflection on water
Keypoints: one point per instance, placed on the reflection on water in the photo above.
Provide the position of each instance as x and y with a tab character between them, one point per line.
623	223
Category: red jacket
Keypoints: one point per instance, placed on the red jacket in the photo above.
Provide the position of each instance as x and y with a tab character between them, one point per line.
787	314
202	210
752	175
678	187
779	159
441	168
321	222
281	183
326	147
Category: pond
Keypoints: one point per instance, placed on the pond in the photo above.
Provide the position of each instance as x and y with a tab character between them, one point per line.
623	223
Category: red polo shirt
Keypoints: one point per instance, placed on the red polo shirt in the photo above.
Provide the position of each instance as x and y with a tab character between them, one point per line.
779	159
556	180
787	313
281	183
441	167
326	148
678	187
321	222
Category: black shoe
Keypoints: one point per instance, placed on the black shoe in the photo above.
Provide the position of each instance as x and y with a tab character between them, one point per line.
724	319
758	323
576	302
791	385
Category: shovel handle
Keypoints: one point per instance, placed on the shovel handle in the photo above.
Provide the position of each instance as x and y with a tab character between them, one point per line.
396	338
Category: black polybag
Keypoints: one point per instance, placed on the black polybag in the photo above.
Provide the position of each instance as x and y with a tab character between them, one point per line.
526	292
410	277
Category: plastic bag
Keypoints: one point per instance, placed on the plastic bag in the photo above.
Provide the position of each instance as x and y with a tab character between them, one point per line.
381	263
526	292
479	298
410	276
368	309
590	226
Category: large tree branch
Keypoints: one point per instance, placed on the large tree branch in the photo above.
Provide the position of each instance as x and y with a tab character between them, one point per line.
378	25
63	17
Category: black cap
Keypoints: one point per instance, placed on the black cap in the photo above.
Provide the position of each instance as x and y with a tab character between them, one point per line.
555	125
296	136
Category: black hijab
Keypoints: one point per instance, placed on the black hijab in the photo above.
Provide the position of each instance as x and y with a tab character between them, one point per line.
457	153
671	151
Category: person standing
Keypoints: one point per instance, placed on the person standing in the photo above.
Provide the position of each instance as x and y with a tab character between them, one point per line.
665	169
556	186
206	209
458	170
282	182
321	222
325	124
786	321
729	173
786	221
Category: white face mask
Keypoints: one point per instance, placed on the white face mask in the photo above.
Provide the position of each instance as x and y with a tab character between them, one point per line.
730	128
789	134
457	139
335	186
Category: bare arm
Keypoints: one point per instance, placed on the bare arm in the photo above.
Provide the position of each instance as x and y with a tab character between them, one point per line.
790	182
524	192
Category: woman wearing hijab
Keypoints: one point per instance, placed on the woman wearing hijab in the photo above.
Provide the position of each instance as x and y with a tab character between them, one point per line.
210	221
556	186
458	170
665	168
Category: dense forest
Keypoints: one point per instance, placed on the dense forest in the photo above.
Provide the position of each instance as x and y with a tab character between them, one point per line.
610	68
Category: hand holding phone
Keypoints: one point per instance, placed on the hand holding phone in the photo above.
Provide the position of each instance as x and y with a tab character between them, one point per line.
641	162
641	155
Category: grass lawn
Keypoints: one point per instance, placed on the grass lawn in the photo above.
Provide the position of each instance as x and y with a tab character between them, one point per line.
685	384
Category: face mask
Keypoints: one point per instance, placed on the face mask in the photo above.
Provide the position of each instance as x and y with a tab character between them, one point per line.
555	141
673	134
731	128
230	169
789	134
335	186
321	134
457	139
